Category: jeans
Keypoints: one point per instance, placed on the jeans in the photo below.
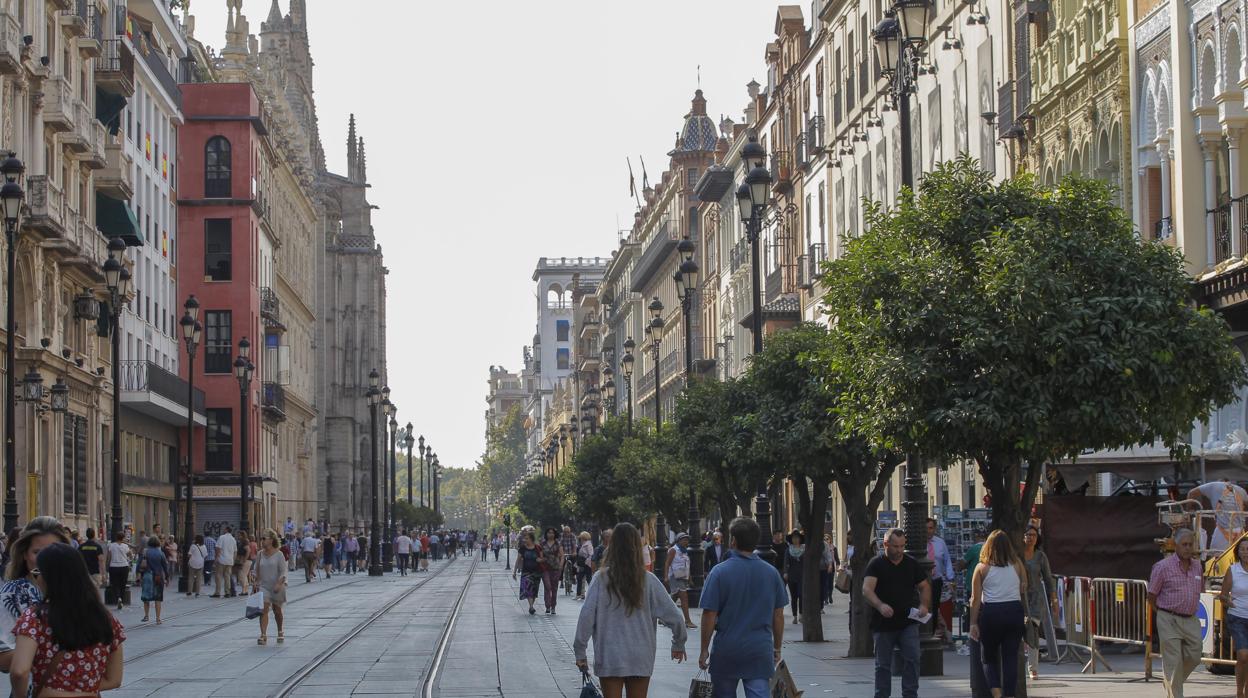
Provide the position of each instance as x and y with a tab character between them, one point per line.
795	593
403	563
727	687
496	554
351	558
907	641
583	575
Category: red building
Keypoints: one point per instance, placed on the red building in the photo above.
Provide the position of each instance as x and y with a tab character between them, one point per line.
221	260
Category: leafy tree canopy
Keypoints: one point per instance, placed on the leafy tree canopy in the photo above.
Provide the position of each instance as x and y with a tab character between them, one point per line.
539	501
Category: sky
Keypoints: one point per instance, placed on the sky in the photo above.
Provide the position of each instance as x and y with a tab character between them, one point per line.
497	132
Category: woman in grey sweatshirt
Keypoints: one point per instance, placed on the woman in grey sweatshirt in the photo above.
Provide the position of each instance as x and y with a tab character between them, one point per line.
620	612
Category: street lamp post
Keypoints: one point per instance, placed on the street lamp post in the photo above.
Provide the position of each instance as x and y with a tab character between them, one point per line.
507	523
374	538
409	441
394	489
117	279
191	333
387	482
686	278
654	332
626	370
437	485
421	440
243	369
11	196
899	41
752	200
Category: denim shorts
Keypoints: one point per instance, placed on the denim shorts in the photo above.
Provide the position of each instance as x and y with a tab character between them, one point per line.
1239	631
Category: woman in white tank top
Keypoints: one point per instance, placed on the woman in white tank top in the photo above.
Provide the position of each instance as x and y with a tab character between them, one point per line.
1234	597
997	616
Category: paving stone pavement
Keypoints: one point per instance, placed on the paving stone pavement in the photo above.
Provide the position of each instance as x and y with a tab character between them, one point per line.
495	649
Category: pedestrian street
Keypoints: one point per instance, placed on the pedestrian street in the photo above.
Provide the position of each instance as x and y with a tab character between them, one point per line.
342	640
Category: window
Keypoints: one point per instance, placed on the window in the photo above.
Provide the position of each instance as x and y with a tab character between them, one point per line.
217	249
74	464
694	222
561	331
217	341
217	168
561	359
692	174
219	439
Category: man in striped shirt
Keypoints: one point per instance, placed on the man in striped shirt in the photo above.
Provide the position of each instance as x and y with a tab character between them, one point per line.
1174	590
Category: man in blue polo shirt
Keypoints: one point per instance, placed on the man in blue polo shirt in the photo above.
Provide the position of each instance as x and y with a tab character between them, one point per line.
743	601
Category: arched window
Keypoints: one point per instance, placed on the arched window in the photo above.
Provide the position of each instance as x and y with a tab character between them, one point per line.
217	168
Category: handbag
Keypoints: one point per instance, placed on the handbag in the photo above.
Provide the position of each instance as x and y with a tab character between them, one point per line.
843	579
255	605
588	689
700	685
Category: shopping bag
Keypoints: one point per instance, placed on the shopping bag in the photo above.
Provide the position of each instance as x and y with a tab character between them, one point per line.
842	581
588	689
700	685
255	604
782	683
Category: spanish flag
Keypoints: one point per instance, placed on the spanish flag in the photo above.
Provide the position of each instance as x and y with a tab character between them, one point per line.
164	243
164	166
147	144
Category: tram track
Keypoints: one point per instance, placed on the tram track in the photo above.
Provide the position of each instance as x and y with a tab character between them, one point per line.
213	629
435	667
292	683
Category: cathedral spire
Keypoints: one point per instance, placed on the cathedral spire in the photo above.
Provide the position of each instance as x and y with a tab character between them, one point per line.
351	149
275	15
363	168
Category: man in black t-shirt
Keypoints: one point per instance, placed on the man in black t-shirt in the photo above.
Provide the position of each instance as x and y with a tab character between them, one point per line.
893	585
91	551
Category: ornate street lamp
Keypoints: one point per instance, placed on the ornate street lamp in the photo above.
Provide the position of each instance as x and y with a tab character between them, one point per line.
59	400
387	485
409	441
117	279
11	196
421	440
626	370
243	370
191	334
374	539
686	278
654	331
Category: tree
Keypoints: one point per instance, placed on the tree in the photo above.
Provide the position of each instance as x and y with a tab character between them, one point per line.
1009	324
416	517
658	480
506	444
588	485
539	501
712	423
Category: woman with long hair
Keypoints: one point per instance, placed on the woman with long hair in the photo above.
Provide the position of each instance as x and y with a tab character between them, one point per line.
623	604
244	559
552	567
68	643
997	619
1041	607
22	591
528	564
792	569
155	569
269	576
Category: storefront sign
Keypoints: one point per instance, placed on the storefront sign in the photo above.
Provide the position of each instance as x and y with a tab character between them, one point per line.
219	492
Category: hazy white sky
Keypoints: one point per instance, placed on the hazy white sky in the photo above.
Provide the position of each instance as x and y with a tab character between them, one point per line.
496	133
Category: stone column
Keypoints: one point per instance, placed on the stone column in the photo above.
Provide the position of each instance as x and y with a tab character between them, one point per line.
1208	148
1231	134
1163	155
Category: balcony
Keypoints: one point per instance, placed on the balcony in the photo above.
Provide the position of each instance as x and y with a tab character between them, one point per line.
1163	229
590	326
78	139
47	206
58	104
160	69
89	42
96	156
782	170
10	44
815	258
589	361
799	150
274	402
271	309
814	135
116	179
1221	233
74	20
157	393
739	255
114	69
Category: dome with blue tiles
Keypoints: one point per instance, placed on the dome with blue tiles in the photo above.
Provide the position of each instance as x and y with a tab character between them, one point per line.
699	133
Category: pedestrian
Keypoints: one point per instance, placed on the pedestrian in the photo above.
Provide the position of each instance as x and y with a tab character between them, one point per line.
1234	597
647	551
242	562
716	552
434	543
792	571
22	590
227	547
1174	589
889	586
270	578
403	548
198	558
552	565
485	549
778	549
170	549
584	573
601	550
528	564
92	553
743	602
997	617
118	564
828	564
70	619
495	543
288	528
309	547
942	573
327	555
1042	605
210	544
352	547
621	609
1228	501
678	575
154	568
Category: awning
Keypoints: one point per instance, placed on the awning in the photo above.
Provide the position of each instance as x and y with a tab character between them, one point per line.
108	108
115	219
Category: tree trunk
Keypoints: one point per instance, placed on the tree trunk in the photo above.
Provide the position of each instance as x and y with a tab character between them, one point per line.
861	528
813	508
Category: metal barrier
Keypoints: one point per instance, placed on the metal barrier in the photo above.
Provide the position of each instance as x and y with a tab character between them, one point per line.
1120	613
1075	596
